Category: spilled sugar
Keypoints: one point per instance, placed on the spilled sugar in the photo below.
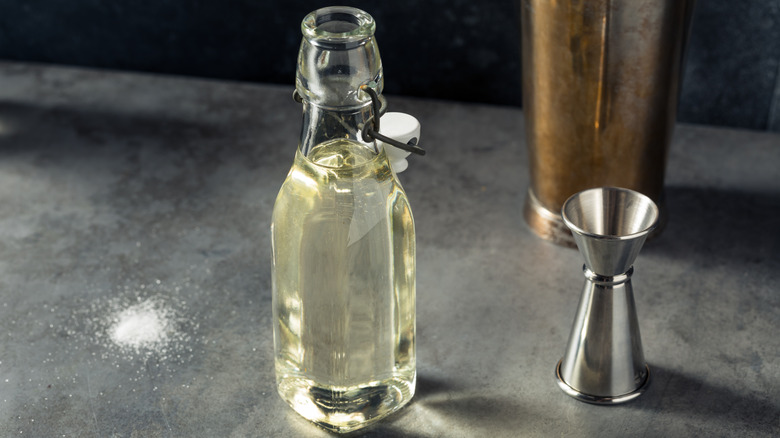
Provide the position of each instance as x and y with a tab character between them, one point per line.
142	326
148	324
134	342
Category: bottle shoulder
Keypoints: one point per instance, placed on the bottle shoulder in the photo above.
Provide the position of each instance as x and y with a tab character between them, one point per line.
343	160
344	168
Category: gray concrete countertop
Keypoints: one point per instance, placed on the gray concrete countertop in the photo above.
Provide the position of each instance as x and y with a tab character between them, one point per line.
136	196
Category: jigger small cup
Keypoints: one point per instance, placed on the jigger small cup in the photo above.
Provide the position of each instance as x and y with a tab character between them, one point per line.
604	362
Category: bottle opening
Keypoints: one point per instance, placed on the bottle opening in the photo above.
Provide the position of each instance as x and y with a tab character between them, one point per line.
338	22
338	27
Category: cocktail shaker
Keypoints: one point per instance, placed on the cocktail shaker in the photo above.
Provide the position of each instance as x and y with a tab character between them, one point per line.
600	92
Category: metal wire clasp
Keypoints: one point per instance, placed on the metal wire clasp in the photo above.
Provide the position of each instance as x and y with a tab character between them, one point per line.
370	131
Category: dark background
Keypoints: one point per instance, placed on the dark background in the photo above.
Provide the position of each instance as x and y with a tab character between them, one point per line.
450	49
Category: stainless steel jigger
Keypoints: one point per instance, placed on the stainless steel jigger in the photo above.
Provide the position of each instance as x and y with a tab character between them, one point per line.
604	363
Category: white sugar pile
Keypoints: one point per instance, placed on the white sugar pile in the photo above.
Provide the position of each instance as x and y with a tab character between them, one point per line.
146	325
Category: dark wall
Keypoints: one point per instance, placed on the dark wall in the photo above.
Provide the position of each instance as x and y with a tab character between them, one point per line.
450	49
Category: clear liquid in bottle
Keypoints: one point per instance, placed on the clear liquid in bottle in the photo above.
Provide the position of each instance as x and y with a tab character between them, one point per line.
343	287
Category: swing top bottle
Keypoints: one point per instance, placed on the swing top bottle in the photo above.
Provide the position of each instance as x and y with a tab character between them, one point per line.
343	242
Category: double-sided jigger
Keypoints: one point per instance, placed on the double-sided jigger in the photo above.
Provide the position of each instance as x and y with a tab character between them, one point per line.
603	362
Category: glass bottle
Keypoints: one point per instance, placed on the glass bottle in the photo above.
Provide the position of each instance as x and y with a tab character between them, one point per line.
343	242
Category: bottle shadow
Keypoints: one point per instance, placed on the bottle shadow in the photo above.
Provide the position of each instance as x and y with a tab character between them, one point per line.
672	394
441	407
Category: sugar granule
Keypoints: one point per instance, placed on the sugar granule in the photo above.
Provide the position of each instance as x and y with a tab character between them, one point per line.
143	326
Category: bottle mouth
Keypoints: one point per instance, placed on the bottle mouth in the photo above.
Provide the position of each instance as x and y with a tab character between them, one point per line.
338	27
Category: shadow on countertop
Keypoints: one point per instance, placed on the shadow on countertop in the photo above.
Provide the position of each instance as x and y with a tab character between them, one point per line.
460	406
723	225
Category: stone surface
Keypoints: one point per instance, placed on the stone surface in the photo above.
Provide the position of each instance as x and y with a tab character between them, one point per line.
118	189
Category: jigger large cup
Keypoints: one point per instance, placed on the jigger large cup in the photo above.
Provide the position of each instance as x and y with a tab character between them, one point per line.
604	362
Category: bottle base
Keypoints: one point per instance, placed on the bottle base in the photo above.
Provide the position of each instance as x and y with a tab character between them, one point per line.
345	409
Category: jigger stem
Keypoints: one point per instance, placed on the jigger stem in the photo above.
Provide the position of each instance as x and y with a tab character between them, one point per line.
604	363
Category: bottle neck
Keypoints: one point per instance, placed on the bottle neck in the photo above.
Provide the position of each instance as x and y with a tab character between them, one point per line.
338	55
321	123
